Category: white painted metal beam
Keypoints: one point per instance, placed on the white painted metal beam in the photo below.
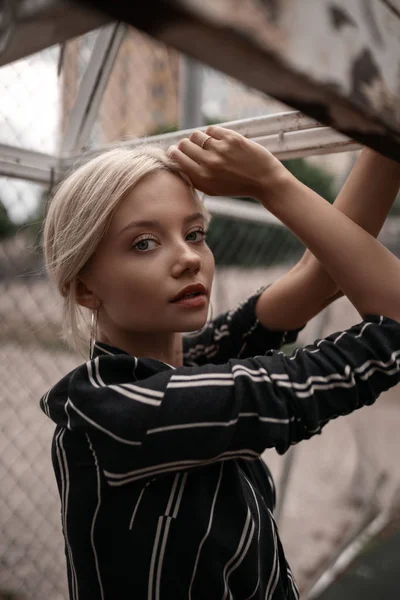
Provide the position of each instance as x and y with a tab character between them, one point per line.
286	135
27	164
309	142
252	127
294	136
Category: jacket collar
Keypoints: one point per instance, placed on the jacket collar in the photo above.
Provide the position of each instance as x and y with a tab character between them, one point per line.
100	349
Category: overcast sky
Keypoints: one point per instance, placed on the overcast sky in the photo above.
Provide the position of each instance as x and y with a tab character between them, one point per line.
29	109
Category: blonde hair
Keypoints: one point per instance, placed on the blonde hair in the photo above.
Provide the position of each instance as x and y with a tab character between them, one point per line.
78	217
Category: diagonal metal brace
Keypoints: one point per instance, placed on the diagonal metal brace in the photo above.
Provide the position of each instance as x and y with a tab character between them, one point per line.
92	86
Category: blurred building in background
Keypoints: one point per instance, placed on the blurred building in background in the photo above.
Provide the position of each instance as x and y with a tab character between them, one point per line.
142	92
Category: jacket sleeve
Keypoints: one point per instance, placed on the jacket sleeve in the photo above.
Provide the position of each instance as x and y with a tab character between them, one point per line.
187	417
234	334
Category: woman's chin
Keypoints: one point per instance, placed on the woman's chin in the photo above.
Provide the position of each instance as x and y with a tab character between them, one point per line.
195	325
189	323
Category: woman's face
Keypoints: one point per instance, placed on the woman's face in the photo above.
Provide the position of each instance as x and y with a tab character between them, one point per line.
153	249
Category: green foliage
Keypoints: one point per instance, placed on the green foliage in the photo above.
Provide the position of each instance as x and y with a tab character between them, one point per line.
313	177
7	227
35	224
164	128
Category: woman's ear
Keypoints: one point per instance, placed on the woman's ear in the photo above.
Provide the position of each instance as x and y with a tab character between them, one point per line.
85	296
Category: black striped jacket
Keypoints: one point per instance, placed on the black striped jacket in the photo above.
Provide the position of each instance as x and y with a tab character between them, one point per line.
163	493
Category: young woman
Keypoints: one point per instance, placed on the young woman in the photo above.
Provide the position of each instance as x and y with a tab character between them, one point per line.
158	438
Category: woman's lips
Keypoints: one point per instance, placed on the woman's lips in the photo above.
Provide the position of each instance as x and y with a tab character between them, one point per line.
192	301
193	290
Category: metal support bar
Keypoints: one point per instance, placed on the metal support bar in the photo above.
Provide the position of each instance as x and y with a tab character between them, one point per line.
287	135
307	143
92	86
296	135
252	127
373	525
28	164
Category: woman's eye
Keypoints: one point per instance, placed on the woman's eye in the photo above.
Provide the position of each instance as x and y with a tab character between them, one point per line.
145	244
196	236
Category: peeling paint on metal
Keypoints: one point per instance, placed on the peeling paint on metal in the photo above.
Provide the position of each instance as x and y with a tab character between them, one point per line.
376	136
340	18
364	71
368	87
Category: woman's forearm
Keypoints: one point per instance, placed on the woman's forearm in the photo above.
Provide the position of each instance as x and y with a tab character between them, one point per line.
370	190
367	273
366	198
308	288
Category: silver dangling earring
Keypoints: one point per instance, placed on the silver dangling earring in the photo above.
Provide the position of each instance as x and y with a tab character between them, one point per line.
206	324
93	333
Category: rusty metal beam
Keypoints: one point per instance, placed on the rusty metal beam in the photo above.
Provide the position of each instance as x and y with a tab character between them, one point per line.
336	60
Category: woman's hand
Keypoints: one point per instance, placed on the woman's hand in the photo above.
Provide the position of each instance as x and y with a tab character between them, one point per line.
222	162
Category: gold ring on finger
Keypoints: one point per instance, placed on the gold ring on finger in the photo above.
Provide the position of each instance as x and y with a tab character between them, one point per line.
203	143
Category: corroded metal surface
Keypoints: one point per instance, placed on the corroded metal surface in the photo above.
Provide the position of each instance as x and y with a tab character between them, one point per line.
337	60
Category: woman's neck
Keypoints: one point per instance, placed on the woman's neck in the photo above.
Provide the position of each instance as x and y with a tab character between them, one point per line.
166	348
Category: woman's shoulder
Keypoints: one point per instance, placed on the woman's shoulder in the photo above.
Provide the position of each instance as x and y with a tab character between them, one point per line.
112	362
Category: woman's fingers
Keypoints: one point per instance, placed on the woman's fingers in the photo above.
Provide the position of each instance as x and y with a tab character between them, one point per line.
197	173
191	167
200	138
198	148
223	162
192	149
220	133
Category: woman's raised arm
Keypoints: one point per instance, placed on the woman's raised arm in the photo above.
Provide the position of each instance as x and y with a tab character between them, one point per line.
367	272
229	164
307	288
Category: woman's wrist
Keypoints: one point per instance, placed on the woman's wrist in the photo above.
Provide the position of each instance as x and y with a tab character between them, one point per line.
280	194
274	187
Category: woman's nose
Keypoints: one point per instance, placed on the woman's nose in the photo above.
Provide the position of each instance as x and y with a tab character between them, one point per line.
186	259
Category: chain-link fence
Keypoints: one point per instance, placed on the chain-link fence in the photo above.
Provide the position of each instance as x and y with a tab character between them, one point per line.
141	98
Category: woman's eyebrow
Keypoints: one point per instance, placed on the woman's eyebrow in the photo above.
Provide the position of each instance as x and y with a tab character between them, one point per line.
155	223
194	217
145	223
